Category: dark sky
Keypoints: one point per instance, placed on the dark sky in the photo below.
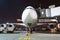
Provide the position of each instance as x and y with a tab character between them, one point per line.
10	10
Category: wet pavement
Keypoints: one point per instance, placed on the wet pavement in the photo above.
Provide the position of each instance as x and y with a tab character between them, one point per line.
21	35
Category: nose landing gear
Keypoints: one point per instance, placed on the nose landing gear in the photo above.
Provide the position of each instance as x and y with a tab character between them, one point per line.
29	29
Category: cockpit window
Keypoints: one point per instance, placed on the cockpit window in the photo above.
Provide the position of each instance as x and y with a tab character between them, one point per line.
29	8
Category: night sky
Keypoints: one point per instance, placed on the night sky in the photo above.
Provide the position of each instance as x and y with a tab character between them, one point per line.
10	10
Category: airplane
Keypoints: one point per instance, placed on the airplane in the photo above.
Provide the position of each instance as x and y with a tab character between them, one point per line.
29	19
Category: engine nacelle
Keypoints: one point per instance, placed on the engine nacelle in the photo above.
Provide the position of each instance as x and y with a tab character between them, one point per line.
10	27
2	27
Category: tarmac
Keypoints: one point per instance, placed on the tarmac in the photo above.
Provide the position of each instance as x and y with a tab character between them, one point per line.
21	35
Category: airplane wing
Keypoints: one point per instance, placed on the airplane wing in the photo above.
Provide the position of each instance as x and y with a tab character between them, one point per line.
18	24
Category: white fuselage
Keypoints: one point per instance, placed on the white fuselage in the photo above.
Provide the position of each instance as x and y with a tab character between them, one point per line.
29	16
